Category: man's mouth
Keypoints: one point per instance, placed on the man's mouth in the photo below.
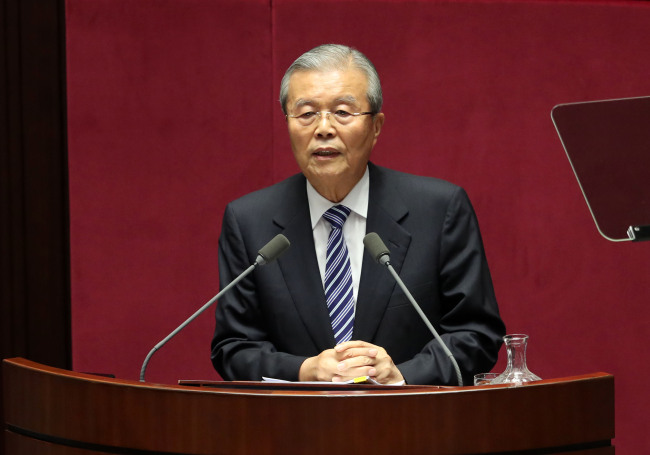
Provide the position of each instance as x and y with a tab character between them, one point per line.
325	152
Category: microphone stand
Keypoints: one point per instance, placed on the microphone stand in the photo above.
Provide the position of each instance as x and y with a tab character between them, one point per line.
377	249
426	321
191	318
268	253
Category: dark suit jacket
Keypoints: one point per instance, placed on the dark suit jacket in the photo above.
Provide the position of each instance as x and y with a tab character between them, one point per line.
277	316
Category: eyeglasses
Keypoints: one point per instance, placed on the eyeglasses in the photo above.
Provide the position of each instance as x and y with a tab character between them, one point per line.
339	117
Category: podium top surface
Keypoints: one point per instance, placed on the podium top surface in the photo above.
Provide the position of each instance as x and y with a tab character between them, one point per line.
281	388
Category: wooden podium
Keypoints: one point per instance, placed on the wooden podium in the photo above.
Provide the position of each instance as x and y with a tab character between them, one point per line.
52	411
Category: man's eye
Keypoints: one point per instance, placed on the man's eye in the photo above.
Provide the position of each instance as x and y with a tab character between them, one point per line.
342	114
307	115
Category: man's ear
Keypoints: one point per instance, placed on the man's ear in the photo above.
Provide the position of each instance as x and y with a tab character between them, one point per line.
378	123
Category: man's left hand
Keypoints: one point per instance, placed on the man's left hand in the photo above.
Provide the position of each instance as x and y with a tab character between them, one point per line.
359	358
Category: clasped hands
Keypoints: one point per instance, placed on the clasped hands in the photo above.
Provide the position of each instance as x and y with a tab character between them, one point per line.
349	360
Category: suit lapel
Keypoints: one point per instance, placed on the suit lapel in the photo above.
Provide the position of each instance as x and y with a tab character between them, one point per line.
300	266
385	211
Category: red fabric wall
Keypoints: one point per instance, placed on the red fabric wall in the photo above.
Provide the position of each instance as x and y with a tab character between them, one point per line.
168	107
173	112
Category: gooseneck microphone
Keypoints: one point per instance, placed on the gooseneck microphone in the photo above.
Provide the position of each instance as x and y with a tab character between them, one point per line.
268	253
377	249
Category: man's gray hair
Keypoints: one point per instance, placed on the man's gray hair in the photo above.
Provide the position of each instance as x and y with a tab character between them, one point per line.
327	57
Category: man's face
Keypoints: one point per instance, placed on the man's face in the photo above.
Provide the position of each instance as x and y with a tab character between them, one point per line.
332	156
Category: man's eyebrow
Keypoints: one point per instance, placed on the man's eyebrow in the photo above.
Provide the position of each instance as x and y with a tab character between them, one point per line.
347	99
302	102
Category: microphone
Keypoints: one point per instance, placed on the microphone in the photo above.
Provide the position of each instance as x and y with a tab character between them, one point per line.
377	249
268	253
272	250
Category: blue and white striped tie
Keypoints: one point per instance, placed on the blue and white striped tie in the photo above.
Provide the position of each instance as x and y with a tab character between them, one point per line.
338	276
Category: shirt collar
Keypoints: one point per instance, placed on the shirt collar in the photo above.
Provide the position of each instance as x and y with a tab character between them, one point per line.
356	200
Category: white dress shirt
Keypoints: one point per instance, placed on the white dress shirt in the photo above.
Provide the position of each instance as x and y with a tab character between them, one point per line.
354	228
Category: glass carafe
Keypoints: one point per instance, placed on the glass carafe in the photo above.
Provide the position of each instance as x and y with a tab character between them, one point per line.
516	372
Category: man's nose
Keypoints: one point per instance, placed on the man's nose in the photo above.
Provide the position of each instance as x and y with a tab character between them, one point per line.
324	125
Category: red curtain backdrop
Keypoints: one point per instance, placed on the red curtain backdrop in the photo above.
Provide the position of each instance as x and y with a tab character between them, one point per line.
173	112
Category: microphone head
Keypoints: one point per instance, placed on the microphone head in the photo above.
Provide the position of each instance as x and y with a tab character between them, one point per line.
375	246
272	250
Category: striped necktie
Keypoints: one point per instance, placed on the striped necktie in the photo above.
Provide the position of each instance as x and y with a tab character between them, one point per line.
338	276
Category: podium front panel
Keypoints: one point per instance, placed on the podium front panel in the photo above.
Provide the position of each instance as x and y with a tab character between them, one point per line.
55	412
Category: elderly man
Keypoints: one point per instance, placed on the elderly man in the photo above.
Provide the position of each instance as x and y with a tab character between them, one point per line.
325	311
